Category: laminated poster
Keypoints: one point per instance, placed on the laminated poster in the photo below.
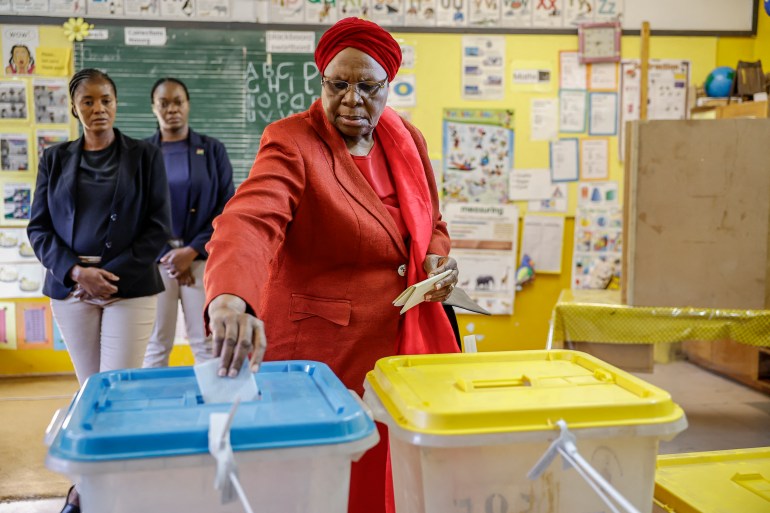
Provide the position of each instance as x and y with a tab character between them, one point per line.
557	202
51	99
7	325
565	164
20	43
13	100
357	8
321	11
21	279
483	67
104	8
572	111
572	74
548	13
603	76
14	152
142	8
477	155
597	257
213	9
452	13
516	14
419	13
603	114
577	12
544	114
68	7
15	246
34	325
286	11
47	138
668	80
17	199
543	241
387	12
530	184
403	91
484	13
598	194
484	240
594	159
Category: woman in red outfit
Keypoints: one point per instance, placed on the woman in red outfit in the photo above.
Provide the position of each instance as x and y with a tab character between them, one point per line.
339	214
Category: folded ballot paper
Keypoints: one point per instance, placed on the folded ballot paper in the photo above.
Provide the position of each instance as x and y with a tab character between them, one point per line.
415	295
225	390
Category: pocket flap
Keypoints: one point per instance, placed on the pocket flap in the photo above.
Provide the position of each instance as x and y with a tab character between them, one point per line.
333	310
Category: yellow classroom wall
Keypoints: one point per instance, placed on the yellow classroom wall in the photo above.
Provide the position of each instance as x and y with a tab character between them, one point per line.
762	42
438	87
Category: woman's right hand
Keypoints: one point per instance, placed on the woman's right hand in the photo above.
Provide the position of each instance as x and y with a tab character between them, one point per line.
95	282
236	334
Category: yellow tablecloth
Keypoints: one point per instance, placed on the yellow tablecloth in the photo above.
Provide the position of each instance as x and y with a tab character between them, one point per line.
598	316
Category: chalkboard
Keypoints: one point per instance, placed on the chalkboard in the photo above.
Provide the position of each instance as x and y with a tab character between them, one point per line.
236	89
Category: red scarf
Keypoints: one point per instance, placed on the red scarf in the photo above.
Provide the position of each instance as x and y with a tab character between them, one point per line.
425	329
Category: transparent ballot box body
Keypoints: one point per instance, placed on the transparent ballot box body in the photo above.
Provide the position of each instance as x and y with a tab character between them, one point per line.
137	441
465	429
714	482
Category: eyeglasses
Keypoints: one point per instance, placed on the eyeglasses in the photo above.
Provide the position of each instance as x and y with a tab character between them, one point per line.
341	87
164	105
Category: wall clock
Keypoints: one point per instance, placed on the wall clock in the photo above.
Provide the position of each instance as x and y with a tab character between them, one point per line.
599	42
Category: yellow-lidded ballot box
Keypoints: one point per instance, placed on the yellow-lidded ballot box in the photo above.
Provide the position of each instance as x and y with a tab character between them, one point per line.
714	482
465	430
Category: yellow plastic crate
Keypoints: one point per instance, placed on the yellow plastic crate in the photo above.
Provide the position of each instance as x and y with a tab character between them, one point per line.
515	391
714	482
465	429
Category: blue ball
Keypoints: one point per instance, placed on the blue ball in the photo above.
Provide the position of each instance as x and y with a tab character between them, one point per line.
767	7
720	82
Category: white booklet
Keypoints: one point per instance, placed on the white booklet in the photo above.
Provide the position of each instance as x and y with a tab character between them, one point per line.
415	294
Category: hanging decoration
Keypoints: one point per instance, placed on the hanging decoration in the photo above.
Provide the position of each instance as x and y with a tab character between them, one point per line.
77	29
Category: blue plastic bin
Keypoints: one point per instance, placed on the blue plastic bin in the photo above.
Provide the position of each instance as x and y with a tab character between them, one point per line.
137	440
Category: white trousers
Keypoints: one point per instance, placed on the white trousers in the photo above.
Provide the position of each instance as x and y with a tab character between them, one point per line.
104	337
193	300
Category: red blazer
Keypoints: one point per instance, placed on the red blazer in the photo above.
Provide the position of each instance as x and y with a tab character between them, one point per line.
310	247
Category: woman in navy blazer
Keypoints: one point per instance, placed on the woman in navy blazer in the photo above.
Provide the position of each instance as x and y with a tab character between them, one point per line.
100	216
200	179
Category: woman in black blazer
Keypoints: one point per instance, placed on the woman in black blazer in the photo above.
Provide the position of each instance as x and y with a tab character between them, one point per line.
99	219
200	179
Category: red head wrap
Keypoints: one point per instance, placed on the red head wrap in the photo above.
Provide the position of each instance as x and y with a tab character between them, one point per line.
362	35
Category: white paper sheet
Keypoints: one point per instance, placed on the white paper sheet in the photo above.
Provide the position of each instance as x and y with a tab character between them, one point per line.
572	74
565	166
529	184
603	114
543	240
594	159
544	119
603	76
572	111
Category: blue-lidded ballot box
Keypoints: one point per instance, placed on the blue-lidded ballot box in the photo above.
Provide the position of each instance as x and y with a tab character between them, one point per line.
137	440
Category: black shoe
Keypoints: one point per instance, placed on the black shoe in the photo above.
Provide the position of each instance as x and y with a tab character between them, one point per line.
70	508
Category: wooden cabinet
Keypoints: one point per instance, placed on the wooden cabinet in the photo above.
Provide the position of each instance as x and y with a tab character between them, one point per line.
747	364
